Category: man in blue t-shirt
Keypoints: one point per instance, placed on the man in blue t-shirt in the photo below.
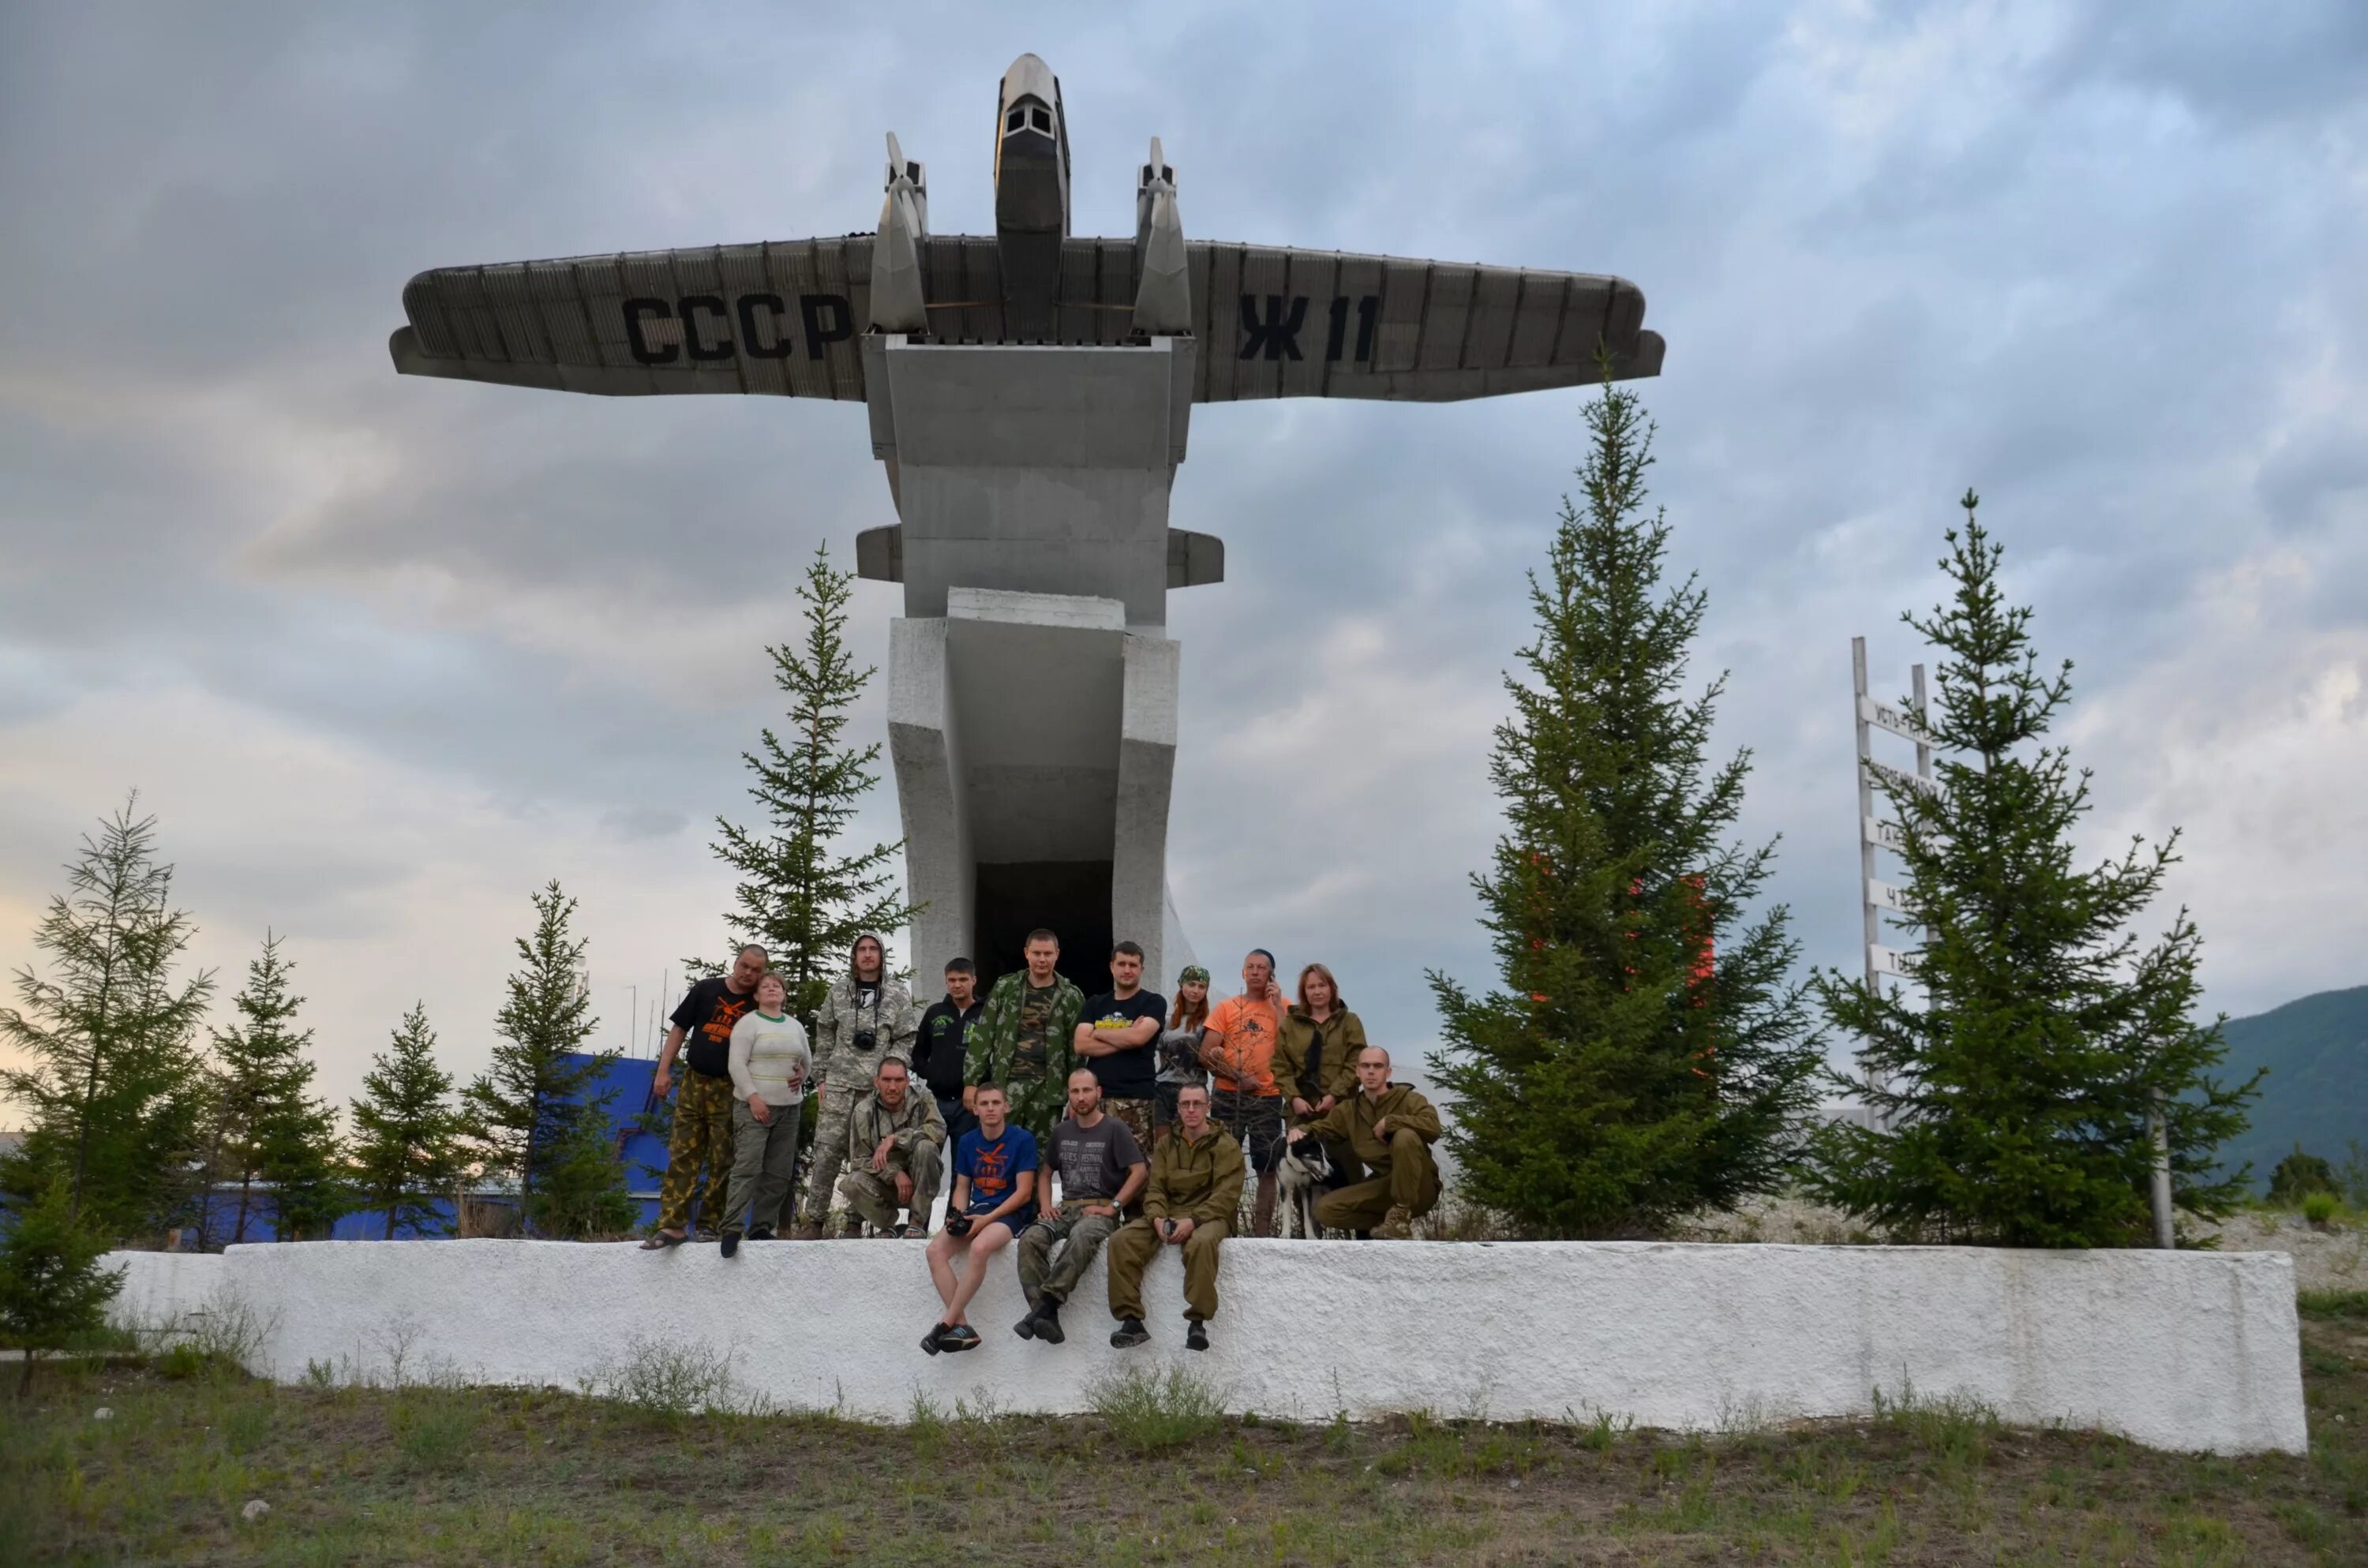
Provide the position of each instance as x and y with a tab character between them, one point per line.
993	1200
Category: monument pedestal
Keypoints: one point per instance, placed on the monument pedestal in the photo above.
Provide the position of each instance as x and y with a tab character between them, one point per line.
1032	686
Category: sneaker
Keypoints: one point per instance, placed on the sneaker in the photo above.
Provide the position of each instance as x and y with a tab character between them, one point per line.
915	1232
962	1336
1396	1225
1130	1333
1048	1322
934	1341
1197	1337
702	1234
760	1234
731	1243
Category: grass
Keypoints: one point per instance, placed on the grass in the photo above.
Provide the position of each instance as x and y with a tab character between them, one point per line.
432	1473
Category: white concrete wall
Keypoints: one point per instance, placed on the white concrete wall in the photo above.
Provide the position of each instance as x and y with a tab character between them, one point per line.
2180	1350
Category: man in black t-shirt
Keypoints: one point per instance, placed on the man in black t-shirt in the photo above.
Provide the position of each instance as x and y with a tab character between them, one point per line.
1118	1037
939	1052
702	1113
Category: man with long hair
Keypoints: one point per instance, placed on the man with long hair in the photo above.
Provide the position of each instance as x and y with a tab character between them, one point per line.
867	1017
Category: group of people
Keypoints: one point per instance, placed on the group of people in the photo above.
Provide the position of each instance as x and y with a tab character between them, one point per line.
1151	1118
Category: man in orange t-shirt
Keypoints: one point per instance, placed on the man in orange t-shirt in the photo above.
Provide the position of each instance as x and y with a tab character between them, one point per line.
1239	1051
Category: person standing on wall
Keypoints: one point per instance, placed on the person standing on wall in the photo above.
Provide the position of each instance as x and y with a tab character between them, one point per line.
1180	1046
769	1064
1118	1037
941	1052
895	1144
702	1137
1102	1170
1188	1204
996	1178
1239	1051
1390	1129
1315	1061
1022	1039
865	1018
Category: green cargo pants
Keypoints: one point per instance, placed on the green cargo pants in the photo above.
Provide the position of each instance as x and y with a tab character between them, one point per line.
1040	1272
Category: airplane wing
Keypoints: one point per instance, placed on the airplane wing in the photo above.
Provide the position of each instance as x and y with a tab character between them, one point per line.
782	318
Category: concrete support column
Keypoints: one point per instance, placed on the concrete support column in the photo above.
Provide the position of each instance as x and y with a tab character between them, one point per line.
1146	773
932	796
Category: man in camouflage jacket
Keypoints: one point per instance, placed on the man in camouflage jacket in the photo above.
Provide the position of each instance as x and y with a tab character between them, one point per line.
1022	1039
867	1017
895	1150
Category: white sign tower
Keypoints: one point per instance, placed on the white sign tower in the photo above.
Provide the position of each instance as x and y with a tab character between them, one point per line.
1875	895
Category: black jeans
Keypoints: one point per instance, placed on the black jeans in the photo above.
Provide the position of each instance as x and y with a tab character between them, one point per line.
957	1122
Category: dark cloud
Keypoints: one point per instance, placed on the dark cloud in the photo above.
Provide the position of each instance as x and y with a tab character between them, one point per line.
2099	262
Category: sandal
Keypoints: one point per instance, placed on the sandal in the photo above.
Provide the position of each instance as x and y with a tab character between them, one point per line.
660	1239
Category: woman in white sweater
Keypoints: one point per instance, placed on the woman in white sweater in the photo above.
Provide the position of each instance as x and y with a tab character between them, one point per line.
769	1061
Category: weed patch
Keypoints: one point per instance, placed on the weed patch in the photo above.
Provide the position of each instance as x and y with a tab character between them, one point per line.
1152	1410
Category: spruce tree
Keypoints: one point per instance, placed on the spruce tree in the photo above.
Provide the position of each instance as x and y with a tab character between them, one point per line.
798	897
529	1108
272	1137
114	1091
1645	1056
406	1150
53	1286
2013	1104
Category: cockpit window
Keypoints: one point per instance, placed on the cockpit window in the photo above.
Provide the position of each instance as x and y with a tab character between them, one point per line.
1016	120
1042	117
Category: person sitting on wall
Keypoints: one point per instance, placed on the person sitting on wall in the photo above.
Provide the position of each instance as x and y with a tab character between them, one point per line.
1390	1127
1021	1041
1239	1051
993	1200
896	1149
1180	1046
770	1062
1102	1167
1118	1037
1315	1060
1196	1184
865	1018
701	1138
940	1052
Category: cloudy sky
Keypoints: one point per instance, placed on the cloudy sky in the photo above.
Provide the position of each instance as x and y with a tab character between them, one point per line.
383	655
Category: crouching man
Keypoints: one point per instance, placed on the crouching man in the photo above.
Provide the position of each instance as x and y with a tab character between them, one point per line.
1101	1169
1196	1182
896	1142
1390	1127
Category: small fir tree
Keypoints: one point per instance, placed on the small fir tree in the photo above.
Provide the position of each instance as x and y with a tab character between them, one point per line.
1645	1056
583	1193
527	1109
2013	1105
801	899
406	1149
52	1285
113	1088
271	1136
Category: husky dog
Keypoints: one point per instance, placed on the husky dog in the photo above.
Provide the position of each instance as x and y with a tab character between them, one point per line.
1304	1175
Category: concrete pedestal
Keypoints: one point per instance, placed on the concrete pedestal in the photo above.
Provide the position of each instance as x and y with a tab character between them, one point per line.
1032	686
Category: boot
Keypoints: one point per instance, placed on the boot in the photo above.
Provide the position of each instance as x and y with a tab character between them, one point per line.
808	1230
1397	1225
1262	1213
852	1229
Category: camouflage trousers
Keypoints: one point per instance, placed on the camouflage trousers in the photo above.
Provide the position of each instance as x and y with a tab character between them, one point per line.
829	1147
701	1144
872	1194
1136	1116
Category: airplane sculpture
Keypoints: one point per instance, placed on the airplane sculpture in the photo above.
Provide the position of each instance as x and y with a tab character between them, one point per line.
1028	392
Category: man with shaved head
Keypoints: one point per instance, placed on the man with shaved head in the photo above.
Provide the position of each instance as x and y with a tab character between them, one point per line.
1390	1127
702	1137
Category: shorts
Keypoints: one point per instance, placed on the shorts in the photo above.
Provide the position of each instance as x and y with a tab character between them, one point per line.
1015	1222
1256	1122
